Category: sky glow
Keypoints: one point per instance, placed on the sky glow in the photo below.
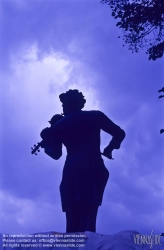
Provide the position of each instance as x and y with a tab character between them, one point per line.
47	48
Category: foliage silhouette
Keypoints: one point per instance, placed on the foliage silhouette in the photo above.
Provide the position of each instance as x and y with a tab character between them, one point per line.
161	96
142	24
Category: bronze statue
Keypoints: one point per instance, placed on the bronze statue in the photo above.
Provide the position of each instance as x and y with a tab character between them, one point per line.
84	174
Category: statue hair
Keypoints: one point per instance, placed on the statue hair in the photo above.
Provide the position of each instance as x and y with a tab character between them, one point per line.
73	98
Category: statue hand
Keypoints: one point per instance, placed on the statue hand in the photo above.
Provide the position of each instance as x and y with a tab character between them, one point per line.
44	133
107	153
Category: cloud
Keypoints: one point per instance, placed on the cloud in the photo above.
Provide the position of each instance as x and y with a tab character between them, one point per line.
136	175
35	82
27	216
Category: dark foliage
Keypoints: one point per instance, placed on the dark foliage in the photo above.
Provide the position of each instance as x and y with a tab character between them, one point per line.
161	96
142	24
161	90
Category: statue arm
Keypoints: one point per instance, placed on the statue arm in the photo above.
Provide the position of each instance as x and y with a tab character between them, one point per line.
54	152
114	130
54	148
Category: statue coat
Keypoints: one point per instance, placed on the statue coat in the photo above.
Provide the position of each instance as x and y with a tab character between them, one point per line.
84	174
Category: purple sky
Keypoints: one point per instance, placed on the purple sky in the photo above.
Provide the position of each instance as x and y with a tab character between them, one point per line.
49	47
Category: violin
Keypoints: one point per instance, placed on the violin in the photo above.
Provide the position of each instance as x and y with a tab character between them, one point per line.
46	134
36	147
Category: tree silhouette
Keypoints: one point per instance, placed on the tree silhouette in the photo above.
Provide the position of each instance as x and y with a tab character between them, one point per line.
142	24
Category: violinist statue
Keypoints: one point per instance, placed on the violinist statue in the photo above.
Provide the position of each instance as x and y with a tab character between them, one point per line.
84	174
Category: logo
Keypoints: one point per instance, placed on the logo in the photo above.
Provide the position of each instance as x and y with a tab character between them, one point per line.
147	239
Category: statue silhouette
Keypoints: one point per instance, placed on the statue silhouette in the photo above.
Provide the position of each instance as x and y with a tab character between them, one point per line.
84	174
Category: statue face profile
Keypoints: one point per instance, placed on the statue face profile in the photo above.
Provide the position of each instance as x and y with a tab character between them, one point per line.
69	108
65	109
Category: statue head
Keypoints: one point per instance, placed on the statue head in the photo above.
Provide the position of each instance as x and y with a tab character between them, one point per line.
72	100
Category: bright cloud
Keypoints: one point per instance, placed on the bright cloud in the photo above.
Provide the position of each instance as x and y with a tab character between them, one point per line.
35	82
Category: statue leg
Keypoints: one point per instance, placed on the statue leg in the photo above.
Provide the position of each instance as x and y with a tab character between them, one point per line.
72	219
88	217
81	218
